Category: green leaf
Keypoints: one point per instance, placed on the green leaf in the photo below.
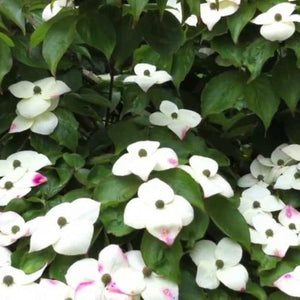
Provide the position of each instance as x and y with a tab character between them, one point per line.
182	63
164	260
98	31
60	266
137	7
262	99
5	60
222	92
74	160
265	5
188	289
285	79
229	220
256	54
294	44
182	184
7	40
164	34
57	41
66	133
240	19
12	10
255	290
280	296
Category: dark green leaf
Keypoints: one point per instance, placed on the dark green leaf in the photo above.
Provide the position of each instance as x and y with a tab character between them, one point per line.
294	44
12	10
60	266
7	40
137	7
256	290
188	289
5	60
74	160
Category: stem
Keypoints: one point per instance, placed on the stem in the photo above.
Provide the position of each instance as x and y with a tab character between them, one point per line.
111	86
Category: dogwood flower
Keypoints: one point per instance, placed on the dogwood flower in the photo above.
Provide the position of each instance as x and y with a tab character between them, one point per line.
290	218
146	76
258	199
111	277
51	289
54	8
14	283
5	257
289	283
219	263
292	151
158	210
204	171
27	159
277	22
68	227
177	120
18	183
37	97
157	287
289	179
275	238
142	158
12	227
212	11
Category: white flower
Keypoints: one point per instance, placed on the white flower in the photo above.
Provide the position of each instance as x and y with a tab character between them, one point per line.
142	158
12	227
219	263
157	287
177	120
277	22
158	210
258	199
5	257
275	238
55	290
37	97
204	171
289	179
146	76
175	8
54	8
292	151
212	11
111	277
290	218
289	283
68	227
27	159
18	183
15	284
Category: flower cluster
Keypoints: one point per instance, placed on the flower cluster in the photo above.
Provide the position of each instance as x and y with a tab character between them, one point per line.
39	99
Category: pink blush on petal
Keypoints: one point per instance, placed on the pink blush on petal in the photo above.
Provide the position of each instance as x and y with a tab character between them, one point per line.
39	179
83	285
113	288
183	132
287	276
12	128
289	212
168	293
165	236
173	161
53	282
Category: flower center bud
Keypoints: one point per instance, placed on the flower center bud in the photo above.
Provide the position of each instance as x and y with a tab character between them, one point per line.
219	264
269	233
147	271
16	163
159	204
8	280
147	73
68	298
61	221
174	115
297	175
280	162
106	279
15	229
292	226
142	153
278	17
37	90
256	204
8	185
206	173
260	177
213	6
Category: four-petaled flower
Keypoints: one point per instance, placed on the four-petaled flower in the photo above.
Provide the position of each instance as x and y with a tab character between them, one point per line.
177	120
219	263
146	76
54	8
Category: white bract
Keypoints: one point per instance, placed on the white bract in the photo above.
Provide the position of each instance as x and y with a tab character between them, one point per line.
258	199
68	227
219	263
290	218
37	97
50	289
111	277
146	76
158	210
275	238
289	283
289	179
177	120
27	159
5	257
52	9
292	151
157	287
18	183
175	8
212	11
278	22
12	227
204	171
142	158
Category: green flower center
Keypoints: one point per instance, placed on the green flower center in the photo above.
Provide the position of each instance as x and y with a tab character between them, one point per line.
206	173
61	221
106	279
260	177
292	226
269	233
16	163
278	17
37	90
280	162
147	73
147	271
213	6
8	185
256	204
219	264
174	115
297	175
142	153
15	229
8	280
160	204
